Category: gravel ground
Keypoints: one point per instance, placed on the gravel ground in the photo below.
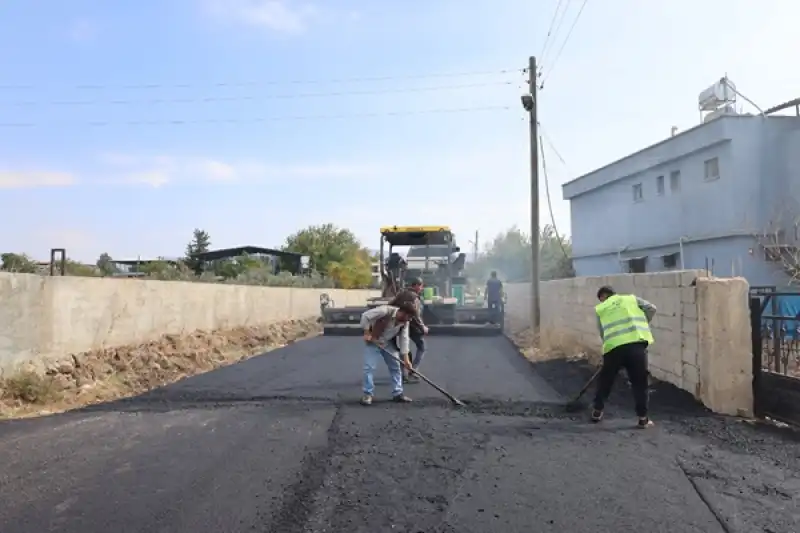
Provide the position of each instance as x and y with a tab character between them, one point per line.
279	443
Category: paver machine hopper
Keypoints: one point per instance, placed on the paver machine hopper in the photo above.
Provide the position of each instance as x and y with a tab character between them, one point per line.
433	256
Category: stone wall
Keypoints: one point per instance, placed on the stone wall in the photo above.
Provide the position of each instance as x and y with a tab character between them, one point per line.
701	330
49	317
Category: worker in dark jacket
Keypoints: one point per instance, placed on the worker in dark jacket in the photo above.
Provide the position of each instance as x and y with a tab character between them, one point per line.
624	324
416	327
494	296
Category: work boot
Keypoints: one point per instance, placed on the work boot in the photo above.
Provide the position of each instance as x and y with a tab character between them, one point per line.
366	400
597	416
401	398
644	423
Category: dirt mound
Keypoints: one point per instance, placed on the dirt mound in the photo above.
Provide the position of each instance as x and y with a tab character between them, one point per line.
112	373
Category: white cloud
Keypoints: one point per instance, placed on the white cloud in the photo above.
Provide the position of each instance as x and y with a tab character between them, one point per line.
157	171
153	178
280	16
27	180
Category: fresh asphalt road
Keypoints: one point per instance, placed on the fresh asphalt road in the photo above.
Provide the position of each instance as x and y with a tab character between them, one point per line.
279	444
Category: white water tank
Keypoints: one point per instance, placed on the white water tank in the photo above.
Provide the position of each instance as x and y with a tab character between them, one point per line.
718	94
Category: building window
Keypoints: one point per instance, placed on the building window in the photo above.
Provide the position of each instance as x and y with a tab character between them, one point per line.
675	180
637	193
671	260
660	185
712	169
637	265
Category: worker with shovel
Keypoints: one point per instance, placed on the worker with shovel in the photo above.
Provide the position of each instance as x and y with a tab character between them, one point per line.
416	327
624	324
386	336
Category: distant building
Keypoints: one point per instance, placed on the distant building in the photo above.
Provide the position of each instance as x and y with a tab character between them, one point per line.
724	195
376	272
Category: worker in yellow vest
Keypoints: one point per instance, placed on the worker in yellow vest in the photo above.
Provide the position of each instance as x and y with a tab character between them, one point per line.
624	324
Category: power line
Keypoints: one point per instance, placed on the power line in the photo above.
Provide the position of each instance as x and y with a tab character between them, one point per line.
102	86
217	99
550	29
549	201
256	120
553	147
555	34
566	40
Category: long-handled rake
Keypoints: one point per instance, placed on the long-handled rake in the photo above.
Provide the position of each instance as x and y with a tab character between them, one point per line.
449	396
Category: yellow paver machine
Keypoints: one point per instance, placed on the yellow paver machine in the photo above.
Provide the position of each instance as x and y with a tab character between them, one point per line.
432	255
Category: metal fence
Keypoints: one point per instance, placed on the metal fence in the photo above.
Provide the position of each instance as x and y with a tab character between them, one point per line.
776	354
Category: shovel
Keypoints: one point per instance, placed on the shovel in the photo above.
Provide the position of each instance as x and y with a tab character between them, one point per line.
576	404
449	396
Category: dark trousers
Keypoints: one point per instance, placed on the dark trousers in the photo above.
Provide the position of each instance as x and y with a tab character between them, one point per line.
494	307
632	357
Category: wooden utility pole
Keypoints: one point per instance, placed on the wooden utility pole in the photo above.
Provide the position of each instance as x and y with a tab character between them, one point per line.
534	134
475	247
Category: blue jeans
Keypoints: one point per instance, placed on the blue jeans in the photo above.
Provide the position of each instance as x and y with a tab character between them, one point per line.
372	357
419	341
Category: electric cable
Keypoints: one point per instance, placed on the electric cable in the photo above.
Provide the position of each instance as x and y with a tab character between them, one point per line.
566	40
256	120
205	100
549	201
550	32
362	79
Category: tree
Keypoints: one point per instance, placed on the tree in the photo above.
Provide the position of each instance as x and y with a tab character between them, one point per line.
334	252
106	265
555	255
200	243
510	255
75	268
160	268
355	272
18	263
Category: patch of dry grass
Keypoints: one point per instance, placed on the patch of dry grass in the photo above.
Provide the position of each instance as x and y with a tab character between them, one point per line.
113	373
28	387
551	343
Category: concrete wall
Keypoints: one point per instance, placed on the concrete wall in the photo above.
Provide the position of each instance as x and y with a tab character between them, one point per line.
50	317
701	330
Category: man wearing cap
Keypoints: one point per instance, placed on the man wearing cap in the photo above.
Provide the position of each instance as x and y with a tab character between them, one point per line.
416	327
624	324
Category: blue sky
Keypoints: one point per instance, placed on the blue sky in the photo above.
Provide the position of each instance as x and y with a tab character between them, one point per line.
124	125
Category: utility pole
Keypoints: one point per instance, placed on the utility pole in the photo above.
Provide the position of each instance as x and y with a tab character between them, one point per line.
534	125
475	247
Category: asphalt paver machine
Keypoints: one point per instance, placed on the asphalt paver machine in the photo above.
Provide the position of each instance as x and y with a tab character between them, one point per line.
433	256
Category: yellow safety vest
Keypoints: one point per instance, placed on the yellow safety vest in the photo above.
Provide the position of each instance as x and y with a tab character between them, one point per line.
622	322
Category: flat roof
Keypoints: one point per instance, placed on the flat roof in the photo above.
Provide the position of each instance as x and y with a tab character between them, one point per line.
642	150
225	253
134	262
676	138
